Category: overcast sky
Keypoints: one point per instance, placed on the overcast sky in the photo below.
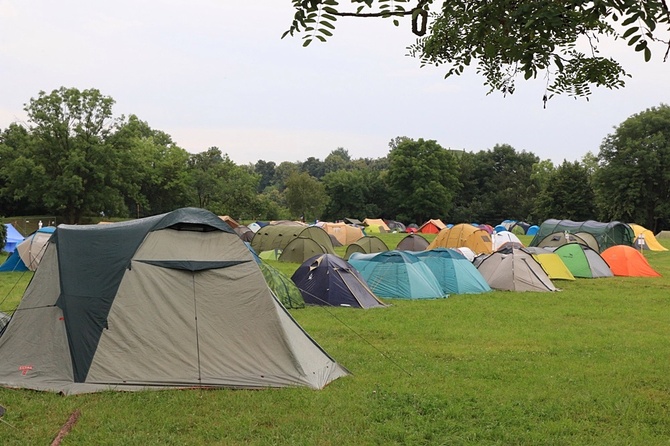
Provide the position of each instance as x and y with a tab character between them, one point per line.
217	73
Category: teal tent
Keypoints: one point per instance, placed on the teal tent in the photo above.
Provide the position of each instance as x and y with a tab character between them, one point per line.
397	274
453	271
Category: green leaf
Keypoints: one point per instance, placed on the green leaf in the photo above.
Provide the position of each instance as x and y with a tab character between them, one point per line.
306	42
633	40
647	54
630	20
630	31
326	32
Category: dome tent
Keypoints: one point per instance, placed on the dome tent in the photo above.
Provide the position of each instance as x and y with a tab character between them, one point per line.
397	274
606	234
628	261
369	244
455	273
412	242
583	261
126	320
514	270
326	279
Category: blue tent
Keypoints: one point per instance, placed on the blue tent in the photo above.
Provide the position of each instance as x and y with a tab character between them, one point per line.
398	274
13	264
454	272
14	237
533	230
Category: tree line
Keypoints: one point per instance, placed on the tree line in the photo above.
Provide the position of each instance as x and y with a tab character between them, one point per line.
76	160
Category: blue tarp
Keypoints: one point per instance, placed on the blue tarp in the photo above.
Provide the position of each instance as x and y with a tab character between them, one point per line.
14	237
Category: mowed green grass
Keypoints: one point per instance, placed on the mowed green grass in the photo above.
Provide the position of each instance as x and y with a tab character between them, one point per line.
589	365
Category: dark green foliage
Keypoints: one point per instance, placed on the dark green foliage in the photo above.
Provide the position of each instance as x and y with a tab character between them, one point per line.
567	194
505	39
422	180
633	182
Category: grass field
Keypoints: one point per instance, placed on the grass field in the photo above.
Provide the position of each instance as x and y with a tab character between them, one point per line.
589	365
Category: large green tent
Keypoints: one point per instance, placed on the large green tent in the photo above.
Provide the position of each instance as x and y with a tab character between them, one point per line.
170	301
283	287
583	261
606	234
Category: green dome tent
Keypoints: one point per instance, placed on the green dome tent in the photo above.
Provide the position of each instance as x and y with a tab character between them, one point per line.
583	261
606	234
283	287
369	244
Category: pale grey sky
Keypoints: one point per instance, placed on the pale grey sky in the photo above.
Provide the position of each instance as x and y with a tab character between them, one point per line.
217	73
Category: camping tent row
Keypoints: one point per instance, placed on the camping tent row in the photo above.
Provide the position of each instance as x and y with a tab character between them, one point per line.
175	301
418	275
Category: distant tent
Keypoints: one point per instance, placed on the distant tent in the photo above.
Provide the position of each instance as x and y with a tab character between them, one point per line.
502	237
326	279
13	264
282	286
557	239
412	228
369	244
273	237
14	237
254	226
487	228
583	261
467	253
466	235
412	242
301	249
519	228
375	226
344	233
533	230
395	226
551	263
455	273
514	270
432	227
644	239
605	234
230	220
397	274
244	232
627	261
353	221
32	248
499	228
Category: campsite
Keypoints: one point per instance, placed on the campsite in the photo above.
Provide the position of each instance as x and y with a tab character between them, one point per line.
585	365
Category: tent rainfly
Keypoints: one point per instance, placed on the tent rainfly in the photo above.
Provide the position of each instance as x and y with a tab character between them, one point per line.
14	237
606	234
628	261
463	234
645	239
412	242
453	271
514	270
583	261
369	244
327	279
173	301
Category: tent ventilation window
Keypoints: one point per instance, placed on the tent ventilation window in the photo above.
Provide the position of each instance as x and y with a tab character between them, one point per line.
193	227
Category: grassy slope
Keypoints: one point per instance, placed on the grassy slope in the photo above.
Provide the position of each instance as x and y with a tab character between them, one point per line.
588	365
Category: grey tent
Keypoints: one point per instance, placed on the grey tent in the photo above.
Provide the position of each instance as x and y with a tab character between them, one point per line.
514	270
412	242
366	245
170	301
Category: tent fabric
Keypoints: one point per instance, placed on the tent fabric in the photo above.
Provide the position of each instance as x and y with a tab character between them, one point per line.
282	286
396	226
301	249
369	244
375	225
412	242
645	239
583	262
463	234
606	234
556	239
101	313
514	270
13	264
14	237
455	273
326	279
278	236
498	239
432	227
230	221
553	265
628	261
532	230
344	233
397	274
32	248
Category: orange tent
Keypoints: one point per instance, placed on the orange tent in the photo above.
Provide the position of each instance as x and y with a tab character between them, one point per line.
432	227
463	235
627	261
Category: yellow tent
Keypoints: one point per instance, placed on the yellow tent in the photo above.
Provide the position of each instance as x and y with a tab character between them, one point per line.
650	241
463	235
375	225
553	265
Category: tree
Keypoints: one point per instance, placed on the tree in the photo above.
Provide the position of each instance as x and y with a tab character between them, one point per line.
266	169
282	173
305	195
356	193
338	159
423	180
505	39
567	194
633	181
68	167
314	167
